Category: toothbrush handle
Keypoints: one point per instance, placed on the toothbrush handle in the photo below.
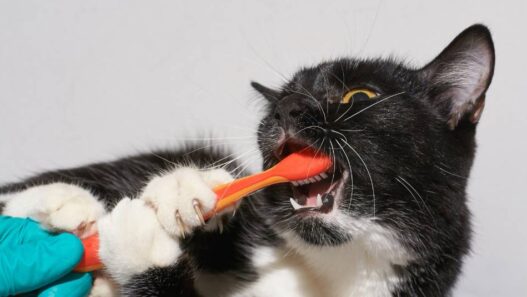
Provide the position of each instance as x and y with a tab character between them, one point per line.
228	194
90	258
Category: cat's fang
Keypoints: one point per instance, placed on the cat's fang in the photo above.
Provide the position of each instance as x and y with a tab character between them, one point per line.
295	204
319	200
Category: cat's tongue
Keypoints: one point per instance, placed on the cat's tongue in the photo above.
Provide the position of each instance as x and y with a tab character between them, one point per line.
315	189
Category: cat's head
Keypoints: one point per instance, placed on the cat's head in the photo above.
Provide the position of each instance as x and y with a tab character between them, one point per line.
402	139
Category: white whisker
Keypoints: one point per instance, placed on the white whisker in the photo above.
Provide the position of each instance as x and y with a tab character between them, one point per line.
412	190
350	170
367	171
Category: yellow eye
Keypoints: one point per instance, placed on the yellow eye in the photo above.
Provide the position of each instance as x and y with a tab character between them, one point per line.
358	95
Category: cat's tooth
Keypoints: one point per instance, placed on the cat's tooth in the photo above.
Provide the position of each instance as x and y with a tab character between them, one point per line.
220	225
319	200
318	178
324	175
295	204
295	183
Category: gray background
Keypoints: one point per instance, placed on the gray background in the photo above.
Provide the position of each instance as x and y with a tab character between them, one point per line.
84	81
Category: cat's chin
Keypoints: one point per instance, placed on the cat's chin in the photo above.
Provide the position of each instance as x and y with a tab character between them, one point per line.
316	231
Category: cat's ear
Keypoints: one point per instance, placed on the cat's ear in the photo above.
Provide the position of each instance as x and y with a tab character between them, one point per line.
267	93
459	77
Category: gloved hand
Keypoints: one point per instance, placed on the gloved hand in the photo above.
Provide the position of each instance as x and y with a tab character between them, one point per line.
36	261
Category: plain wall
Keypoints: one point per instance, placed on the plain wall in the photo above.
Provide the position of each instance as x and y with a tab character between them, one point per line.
84	81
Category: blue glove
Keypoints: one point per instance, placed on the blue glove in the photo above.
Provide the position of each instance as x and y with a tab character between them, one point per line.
36	261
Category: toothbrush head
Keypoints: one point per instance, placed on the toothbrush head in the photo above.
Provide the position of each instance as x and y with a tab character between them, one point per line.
302	165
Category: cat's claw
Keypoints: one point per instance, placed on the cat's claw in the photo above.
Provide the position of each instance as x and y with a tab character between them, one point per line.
181	225
198	210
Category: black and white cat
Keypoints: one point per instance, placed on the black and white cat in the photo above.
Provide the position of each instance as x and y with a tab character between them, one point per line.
389	220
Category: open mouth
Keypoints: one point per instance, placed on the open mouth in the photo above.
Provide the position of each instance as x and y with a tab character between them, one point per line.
317	194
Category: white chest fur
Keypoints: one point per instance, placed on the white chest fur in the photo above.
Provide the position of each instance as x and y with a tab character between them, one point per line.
363	267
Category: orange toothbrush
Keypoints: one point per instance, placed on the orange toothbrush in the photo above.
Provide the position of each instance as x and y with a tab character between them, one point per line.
90	259
298	166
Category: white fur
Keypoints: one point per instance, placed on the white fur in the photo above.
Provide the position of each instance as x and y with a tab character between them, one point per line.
176	190
132	240
4	198
266	256
57	206
362	267
103	287
280	274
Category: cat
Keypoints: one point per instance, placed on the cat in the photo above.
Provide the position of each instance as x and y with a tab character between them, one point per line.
390	219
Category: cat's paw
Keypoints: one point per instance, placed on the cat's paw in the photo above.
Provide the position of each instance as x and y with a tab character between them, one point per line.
131	240
58	207
181	196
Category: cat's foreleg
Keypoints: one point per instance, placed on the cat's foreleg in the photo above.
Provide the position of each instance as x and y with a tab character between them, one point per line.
140	238
140	255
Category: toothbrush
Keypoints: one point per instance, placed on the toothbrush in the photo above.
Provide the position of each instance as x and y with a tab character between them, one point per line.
297	167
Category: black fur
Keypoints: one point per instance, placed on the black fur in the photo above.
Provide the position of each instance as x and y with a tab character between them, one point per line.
405	139
410	143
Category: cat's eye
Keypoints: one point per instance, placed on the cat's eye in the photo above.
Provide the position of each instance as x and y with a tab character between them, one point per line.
359	94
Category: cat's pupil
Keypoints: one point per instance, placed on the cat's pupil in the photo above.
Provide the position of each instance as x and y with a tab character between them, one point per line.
360	96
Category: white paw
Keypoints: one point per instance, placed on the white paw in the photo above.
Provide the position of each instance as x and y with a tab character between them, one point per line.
132	240
174	194
58	207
